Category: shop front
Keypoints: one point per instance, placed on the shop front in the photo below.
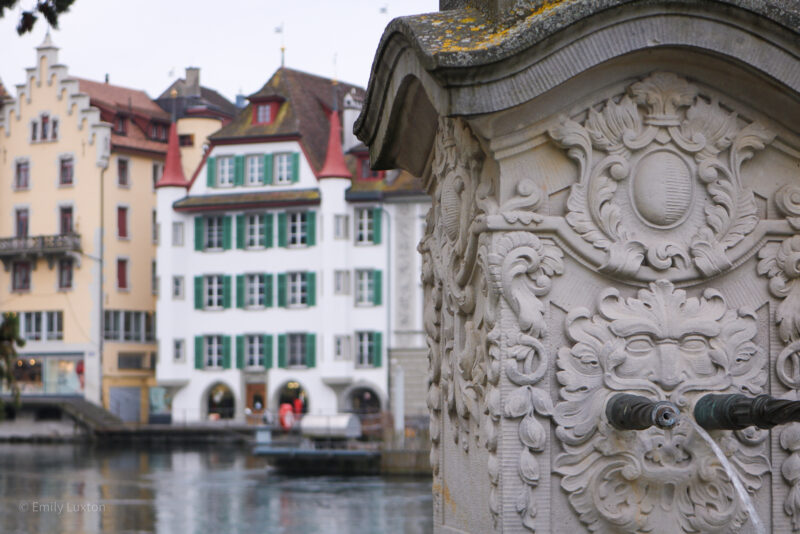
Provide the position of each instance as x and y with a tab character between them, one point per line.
49	374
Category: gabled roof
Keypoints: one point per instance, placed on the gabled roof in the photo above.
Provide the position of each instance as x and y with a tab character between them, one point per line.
307	100
209	100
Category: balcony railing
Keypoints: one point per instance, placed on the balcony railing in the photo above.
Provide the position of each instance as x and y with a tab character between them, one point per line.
37	246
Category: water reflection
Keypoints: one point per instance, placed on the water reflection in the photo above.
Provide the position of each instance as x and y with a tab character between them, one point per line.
76	489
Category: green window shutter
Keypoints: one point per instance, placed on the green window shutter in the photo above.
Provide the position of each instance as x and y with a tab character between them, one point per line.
295	167
268	169
377	287
240	231
240	352
268	290
211	172
238	170
311	288
268	229
376	226
377	349
226	352
198	293
267	351
240	291
311	350
311	228
282	241
226	291
198	352
226	232
282	290
282	351
198	233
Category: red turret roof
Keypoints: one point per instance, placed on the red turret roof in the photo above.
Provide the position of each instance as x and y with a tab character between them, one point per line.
173	170
334	166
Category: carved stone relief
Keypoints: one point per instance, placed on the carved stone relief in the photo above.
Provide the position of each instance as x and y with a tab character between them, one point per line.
666	346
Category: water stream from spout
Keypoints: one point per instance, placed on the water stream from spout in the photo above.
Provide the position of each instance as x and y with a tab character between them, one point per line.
734	476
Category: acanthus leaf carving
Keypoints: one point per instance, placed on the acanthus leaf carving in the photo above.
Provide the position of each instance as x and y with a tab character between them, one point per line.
666	346
641	160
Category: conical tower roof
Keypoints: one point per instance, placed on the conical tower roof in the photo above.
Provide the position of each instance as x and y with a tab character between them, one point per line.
334	166
173	170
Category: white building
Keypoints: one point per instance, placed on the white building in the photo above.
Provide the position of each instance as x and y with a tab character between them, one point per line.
274	258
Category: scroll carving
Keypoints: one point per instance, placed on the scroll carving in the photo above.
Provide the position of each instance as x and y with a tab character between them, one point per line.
667	346
662	157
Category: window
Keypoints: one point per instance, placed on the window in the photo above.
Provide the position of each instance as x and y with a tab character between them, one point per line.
122	274
366	171
22	176
129	326
296	349
298	228
284	171
178	350
155	229
177	234
177	287
255	291
55	130
65	273
21	279
55	325
341	282
45	127
111	325
158	171
32	326
65	225
368	349
122	222
153	277
120	125
254	351
214	232
130	360
225	171
122	173
214	292
366	226
341	225
255	232
34	129
263	113
186	140
368	287
341	347
255	170
65	173
21	222
149	326
298	289
132	326
213	346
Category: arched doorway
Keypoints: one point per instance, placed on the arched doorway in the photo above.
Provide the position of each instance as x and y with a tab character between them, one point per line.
220	403
293	393
364	401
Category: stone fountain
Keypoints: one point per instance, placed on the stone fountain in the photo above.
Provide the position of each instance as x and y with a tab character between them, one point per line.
616	211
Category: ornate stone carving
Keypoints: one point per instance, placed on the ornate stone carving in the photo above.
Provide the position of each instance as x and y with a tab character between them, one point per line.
521	266
654	160
666	346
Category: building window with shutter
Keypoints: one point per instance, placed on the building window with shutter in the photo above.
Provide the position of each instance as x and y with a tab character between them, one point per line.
255	232
66	170
298	228
65	273
214	292
296	350
367	287
21	276
255	291
225	171
297	289
365	226
213	352
123	180
214	233
122	222
254	350
122	274
22	175
368	349
255	169
284	171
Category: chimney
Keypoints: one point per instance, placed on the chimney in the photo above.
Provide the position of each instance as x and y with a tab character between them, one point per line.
192	84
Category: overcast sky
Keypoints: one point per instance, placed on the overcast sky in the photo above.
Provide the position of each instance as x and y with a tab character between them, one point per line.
145	44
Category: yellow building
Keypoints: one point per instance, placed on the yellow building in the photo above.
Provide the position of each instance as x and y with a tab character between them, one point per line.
78	162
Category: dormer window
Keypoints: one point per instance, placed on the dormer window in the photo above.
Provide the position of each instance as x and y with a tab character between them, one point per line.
120	125
263	113
366	170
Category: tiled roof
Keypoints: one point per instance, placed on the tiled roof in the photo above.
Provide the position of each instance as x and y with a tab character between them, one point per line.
304	113
209	99
261	199
397	183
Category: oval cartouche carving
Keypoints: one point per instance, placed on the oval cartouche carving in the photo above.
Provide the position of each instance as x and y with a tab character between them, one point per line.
662	189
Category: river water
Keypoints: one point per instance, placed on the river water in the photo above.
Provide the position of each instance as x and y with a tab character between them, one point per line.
51	489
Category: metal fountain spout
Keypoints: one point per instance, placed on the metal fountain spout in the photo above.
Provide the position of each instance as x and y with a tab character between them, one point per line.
634	412
735	412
